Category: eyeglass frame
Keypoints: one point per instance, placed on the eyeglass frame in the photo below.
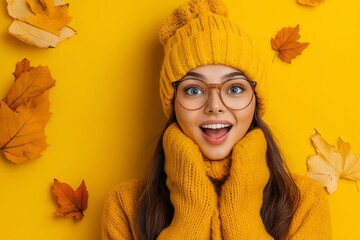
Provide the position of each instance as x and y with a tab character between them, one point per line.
217	86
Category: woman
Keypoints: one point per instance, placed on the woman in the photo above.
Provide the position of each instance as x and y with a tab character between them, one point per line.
217	172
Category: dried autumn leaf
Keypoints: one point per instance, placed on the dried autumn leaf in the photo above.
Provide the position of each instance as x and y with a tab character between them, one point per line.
38	37
21	67
22	135
330	164
33	33
47	16
312	3
18	9
29	84
22	123
71	203
286	44
351	167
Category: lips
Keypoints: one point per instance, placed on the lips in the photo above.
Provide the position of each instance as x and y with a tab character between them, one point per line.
215	133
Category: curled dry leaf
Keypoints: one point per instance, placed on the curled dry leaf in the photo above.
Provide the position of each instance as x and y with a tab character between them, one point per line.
330	164
71	203
312	3
25	113
286	44
38	37
42	23
18	9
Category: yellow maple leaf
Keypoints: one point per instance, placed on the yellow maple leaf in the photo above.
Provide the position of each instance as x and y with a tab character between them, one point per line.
330	164
47	16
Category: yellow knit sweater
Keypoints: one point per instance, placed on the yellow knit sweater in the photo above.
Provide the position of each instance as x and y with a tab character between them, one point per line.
200	213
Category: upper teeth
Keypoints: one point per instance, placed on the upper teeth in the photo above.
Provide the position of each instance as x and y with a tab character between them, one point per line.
216	126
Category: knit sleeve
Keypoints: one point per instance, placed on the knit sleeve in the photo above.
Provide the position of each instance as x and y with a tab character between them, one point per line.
312	218
118	213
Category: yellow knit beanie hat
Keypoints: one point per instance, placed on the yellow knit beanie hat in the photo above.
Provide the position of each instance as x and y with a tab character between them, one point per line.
199	33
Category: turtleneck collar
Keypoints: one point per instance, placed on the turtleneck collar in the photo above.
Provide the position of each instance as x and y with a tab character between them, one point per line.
218	171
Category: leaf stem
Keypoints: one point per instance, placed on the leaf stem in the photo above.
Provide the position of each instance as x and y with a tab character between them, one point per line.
276	53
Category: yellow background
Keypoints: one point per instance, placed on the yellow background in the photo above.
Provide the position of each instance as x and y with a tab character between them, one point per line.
106	109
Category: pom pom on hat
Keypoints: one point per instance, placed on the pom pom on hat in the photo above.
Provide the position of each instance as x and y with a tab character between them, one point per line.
199	33
187	12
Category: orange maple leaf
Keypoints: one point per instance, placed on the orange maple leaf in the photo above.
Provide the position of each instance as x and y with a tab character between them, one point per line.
47	16
24	113
286	44
312	3
71	203
22	134
30	82
331	164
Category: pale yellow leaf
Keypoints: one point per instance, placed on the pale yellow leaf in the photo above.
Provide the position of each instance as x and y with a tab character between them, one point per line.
37	37
320	170
330	164
327	151
351	169
18	9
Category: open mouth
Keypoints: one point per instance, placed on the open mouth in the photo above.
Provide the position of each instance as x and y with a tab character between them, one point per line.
216	130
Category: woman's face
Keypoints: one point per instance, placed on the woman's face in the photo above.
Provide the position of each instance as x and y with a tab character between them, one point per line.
214	127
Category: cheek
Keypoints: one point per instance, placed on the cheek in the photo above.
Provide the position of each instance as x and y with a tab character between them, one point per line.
185	118
244	119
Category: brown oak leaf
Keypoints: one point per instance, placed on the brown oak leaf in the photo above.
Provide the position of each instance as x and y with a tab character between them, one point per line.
286	44
331	164
71	203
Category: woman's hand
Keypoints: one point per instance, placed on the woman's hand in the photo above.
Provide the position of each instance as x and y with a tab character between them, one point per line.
191	192
242	193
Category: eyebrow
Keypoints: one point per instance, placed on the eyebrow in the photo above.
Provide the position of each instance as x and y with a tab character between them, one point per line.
226	76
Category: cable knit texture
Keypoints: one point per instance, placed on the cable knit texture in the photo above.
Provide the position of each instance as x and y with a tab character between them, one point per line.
199	33
244	189
191	191
218	170
200	213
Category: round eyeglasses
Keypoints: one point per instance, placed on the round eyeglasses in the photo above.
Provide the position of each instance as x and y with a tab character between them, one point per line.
236	94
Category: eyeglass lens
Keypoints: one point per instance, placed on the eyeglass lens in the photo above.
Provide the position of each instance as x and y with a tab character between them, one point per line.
235	93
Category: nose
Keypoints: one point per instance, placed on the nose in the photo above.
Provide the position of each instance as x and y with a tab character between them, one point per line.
214	103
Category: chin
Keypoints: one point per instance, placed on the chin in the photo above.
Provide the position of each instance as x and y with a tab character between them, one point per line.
215	156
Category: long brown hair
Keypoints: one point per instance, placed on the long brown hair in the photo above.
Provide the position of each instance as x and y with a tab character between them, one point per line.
154	211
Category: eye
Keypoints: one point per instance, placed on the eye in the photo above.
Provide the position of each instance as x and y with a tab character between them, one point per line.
194	90
235	89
